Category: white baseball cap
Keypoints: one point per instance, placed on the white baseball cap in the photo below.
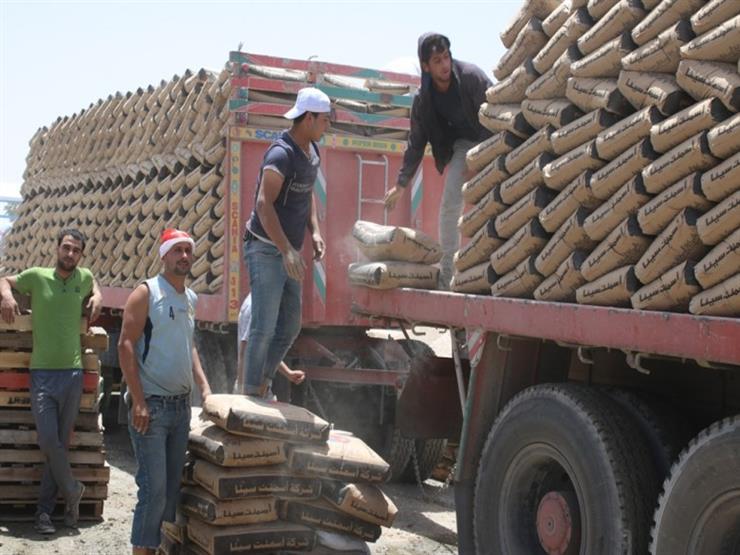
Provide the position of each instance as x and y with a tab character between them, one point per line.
309	99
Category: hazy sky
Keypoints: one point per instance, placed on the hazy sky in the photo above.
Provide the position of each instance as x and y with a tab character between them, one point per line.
58	57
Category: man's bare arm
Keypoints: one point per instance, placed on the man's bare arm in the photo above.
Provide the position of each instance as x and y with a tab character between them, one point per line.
8	306
199	376
134	319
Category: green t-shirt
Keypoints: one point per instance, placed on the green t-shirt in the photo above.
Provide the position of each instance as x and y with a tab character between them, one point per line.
56	310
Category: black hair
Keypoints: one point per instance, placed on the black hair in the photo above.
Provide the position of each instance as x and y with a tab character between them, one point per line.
71	232
300	118
433	44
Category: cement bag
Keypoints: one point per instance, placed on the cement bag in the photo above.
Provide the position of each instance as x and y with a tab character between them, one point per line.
528	240
220	447
475	280
658	213
722	180
485	180
713	14
577	193
690	156
724	138
720	221
721	300
552	83
591	94
504	117
676	243
525	180
531	8
605	61
201	504
721	263
624	245
391	275
569	237
528	42
561	286
386	242
526	208
582	130
322	514
266	538
512	89
611	142
671	292
620	18
557	18
562	171
488	207
653	89
663	16
479	248
663	53
627	200
708	79
577	23
613	289
520	282
685	124
530	149
721	44
599	8
484	153
344	457
607	180
239	483
557	112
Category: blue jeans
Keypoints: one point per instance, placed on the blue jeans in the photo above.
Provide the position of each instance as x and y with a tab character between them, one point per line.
160	456
276	313
55	402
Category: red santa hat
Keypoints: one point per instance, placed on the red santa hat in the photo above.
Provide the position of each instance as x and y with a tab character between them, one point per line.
170	238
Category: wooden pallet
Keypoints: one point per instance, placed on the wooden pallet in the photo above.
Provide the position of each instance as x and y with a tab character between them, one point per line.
28	437
95	338
23	418
18	399
15	359
20	380
23	492
26	456
23	511
16	340
87	474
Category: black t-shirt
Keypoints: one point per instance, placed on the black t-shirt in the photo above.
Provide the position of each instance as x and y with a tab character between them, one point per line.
449	109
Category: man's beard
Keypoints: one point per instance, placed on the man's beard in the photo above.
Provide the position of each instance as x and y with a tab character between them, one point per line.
178	271
66	266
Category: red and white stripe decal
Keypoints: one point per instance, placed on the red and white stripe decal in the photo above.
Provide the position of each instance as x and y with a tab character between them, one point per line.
476	342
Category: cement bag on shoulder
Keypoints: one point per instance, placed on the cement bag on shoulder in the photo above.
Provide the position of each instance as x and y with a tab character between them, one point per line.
364	501
385	242
214	444
721	300
391	274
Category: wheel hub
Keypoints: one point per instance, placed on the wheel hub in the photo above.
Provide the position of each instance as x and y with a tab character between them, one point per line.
555	524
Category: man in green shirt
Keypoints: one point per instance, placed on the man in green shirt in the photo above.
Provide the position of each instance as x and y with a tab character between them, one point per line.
57	298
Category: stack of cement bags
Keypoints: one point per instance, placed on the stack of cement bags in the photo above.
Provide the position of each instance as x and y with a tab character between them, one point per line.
399	257
268	477
613	176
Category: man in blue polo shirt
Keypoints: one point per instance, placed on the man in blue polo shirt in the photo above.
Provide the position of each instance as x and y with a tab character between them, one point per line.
284	209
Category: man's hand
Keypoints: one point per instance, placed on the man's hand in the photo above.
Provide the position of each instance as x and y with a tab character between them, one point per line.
205	393
295	376
392	196
140	417
294	264
9	309
319	248
94	306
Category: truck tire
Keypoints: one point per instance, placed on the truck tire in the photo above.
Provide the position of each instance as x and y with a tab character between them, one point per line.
698	511
557	452
428	454
396	452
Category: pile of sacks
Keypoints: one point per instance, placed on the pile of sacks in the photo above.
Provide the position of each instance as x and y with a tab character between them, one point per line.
613	175
266	477
399	257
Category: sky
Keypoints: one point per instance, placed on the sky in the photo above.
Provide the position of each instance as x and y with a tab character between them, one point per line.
58	57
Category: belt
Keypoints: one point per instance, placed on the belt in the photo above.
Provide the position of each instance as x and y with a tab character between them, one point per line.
170	397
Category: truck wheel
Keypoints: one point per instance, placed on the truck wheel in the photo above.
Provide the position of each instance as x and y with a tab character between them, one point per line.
563	471
416	348
428	454
699	508
396	452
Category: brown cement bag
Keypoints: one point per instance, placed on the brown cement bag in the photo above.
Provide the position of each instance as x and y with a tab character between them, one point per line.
201	504
613	141
220	447
614	289
721	263
266	538
671	291
475	280
625	201
526	208
485	180
387	242
676	243
488	207
721	44
577	193
724	138
561	286
720	221
582	130
528	240
599	8
239	483
251	416
511	89
530	149
605	61
520	282
556	112
365	502
484	153
344	457
392	274
663	16
606	181
526	179
504	117
479	248
322	514
721	300
713	14
679	127
624	245
620	18
562	171
531	8
658	213
722	180
557	18
663	53
528	42
653	89
577	23
552	83
690	156
591	94
708	79
569	237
